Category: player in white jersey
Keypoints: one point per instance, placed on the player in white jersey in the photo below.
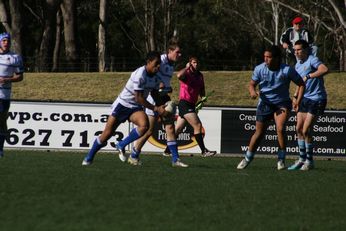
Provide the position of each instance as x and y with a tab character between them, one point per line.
165	74
129	105
11	70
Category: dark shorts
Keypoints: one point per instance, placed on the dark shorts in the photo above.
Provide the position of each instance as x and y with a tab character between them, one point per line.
123	113
265	111
185	108
313	107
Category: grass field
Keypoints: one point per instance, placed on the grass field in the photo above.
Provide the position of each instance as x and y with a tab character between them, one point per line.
52	191
230	87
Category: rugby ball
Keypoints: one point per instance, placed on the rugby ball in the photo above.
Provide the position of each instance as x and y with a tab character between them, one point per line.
170	106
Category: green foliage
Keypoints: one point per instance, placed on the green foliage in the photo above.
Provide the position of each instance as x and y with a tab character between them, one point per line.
52	191
230	87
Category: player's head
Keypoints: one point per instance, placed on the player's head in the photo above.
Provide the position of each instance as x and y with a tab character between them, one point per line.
5	41
297	23
301	49
173	50
153	61
272	56
193	62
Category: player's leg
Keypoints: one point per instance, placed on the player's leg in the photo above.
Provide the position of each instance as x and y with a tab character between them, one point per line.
4	107
301	142
172	142
306	131
280	118
180	124
195	122
261	126
264	114
101	141
139	143
140	119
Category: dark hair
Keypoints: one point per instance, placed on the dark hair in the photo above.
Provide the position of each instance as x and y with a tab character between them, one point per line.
303	43
275	51
152	55
192	58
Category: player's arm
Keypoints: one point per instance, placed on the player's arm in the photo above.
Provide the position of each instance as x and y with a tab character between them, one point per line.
139	98
321	70
299	92
182	72
252	89
17	77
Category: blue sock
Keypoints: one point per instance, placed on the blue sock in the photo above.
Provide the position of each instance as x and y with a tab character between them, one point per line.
302	150
134	135
172	145
249	156
95	148
309	152
282	154
135	153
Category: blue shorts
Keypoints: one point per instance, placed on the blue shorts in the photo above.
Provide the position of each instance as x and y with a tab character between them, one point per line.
123	113
265	111
313	107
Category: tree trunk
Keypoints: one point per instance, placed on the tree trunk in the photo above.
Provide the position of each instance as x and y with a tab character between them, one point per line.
102	36
4	17
68	8
56	52
12	22
44	59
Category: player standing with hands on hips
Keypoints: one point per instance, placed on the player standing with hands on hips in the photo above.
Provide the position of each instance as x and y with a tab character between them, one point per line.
11	70
130	104
313	103
191	86
274	102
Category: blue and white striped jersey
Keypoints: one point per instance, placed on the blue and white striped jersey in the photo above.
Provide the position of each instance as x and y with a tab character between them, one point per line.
10	63
138	81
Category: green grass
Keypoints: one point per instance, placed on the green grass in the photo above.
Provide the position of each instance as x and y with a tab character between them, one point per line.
230	87
52	191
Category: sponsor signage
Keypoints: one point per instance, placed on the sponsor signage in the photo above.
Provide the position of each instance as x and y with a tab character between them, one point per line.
238	125
211	122
43	125
59	125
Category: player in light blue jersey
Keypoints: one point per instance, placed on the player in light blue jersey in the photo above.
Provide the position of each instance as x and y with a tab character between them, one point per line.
273	79
11	70
312	105
129	105
165	74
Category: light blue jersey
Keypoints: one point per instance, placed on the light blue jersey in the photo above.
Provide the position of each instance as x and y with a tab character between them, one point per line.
274	85
314	87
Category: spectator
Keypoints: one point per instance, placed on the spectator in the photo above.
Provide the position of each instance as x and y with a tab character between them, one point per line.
295	33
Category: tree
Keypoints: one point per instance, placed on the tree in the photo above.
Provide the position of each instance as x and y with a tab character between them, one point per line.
44	59
102	36
68	9
11	19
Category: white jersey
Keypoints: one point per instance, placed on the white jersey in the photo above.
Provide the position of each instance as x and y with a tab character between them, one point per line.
10	63
139	81
164	74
